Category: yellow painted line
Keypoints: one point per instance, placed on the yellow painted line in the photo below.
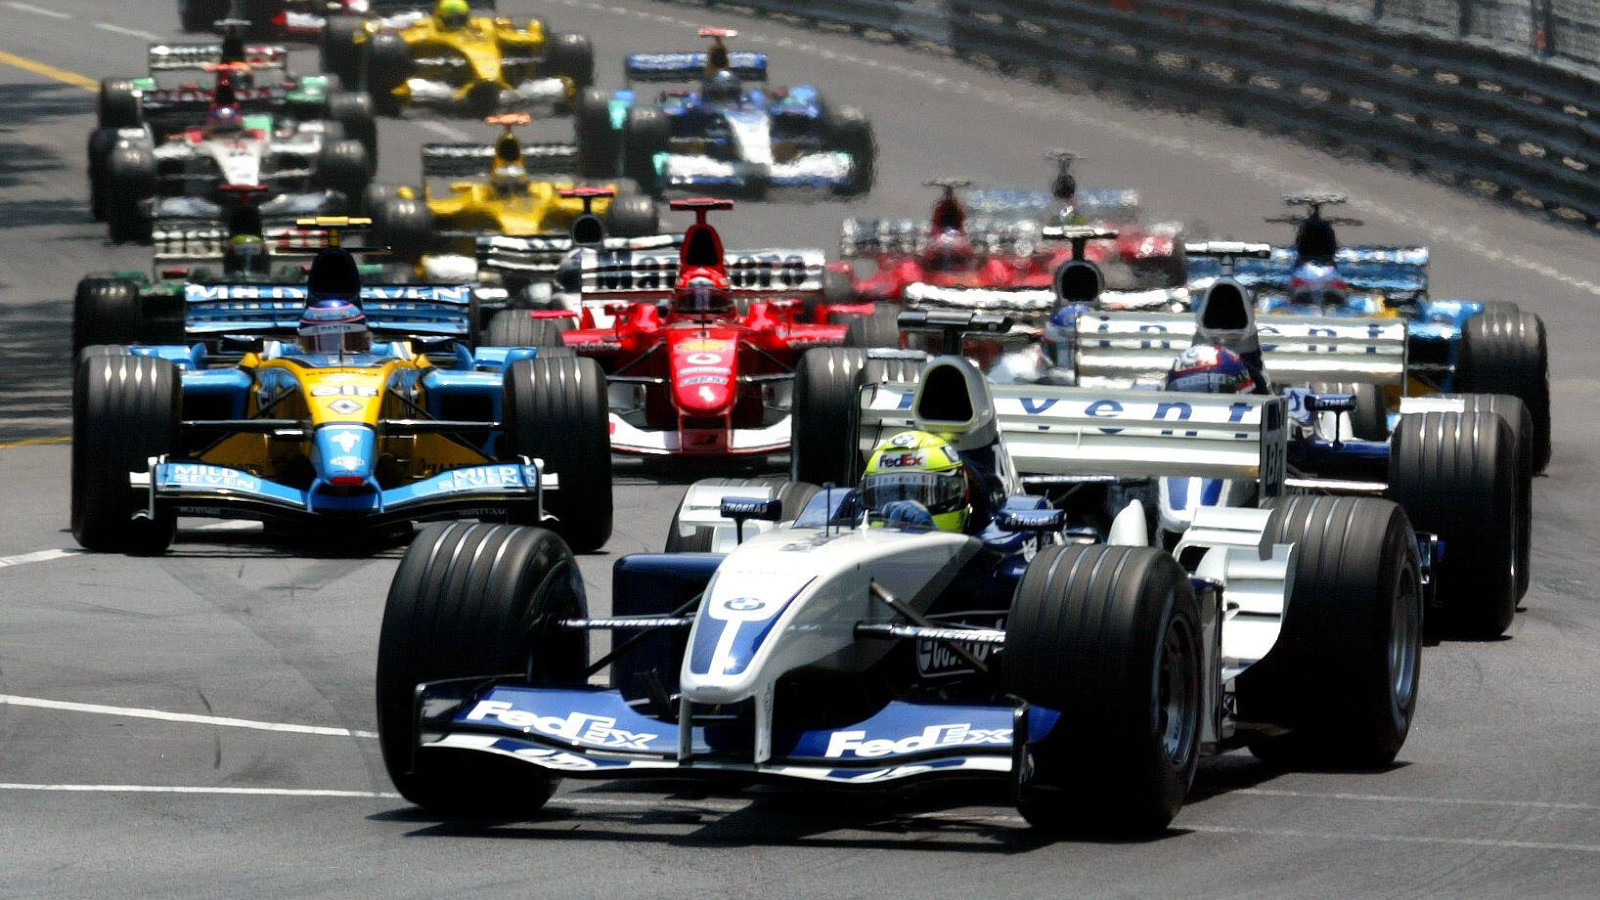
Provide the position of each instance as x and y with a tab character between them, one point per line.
34	442
49	71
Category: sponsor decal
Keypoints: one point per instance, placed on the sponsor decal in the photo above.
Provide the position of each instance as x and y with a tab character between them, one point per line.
483	477
345	390
936	659
906	439
845	744
196	475
744	604
345	462
600	731
347	441
902	461
707	344
344	406
706	370
703	359
703	379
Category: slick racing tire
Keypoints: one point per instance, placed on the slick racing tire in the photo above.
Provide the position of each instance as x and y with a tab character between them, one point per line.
1455	474
354	112
106	311
1516	416
571	56
515	328
850	130
555	410
643	136
1342	677
474	600
119	105
1369	421
102	141
599	144
130	181
345	167
1506	352
339	52
633	216
826	417
793	495
125	410
878	329
385	64
405	226
1108	637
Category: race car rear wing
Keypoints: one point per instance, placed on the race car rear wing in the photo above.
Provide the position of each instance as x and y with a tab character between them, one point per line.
420	310
1383	270
649	275
197	57
1122	347
184	239
477	160
542	255
1079	432
685	67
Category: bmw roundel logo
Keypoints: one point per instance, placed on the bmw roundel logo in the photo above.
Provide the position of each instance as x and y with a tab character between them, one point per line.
744	604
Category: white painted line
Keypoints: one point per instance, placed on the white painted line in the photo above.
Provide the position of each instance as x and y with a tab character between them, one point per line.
1493	843
188	718
160	789
37	556
37	10
443	130
130	32
1419	801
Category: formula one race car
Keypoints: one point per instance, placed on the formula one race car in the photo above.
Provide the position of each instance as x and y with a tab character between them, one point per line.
339	408
135	307
999	241
1456	346
864	639
700	353
300	19
507	188
724	138
458	58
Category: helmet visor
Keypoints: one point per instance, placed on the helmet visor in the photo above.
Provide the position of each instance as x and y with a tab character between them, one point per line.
940	492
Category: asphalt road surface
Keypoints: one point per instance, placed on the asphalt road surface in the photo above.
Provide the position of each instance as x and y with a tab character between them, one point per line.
200	724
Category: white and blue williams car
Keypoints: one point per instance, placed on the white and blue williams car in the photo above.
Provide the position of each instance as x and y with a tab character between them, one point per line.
792	633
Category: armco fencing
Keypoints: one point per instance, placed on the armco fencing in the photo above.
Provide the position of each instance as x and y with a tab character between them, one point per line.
1369	76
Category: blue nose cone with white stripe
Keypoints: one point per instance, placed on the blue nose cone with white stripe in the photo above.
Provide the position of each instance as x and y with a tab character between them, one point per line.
344	454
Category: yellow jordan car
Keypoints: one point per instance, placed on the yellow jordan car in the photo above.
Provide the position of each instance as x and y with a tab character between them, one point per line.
457	59
473	193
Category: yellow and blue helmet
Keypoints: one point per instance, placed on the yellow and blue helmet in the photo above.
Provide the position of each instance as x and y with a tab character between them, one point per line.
450	15
916	469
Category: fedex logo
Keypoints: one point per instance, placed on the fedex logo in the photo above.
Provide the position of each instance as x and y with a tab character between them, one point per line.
853	743
600	731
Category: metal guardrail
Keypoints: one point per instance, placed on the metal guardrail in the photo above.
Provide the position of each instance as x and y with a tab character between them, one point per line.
1356	74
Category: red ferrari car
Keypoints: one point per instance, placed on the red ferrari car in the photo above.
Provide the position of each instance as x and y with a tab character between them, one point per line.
997	240
703	343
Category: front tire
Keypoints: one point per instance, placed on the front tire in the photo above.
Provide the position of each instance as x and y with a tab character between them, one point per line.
515	328
1369	421
646	134
1109	637
1505	351
826	417
599	144
125	410
130	181
555	410
474	600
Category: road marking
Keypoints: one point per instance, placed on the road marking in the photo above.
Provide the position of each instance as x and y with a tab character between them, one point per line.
49	71
188	718
1494	843
130	32
35	442
443	130
37	556
37	10
181	789
1420	801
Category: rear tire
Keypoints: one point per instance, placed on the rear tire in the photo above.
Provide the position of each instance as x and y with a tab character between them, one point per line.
646	134
125	410
345	167
826	417
1369	421
385	65
879	328
555	410
1515	414
102	141
1343	673
130	181
599	144
354	112
633	216
1455	475
405	226
339	53
119	105
1506	352
571	56
515	328
474	600
851	131
1109	637
105	311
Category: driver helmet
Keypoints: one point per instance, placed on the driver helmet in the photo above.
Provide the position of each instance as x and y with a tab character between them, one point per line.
245	254
703	292
949	251
452	15
334	326
724	87
509	180
1315	284
918	479
224	120
1207	369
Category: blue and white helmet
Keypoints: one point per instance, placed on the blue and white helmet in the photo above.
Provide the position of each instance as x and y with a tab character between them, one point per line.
334	326
1315	284
1207	369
